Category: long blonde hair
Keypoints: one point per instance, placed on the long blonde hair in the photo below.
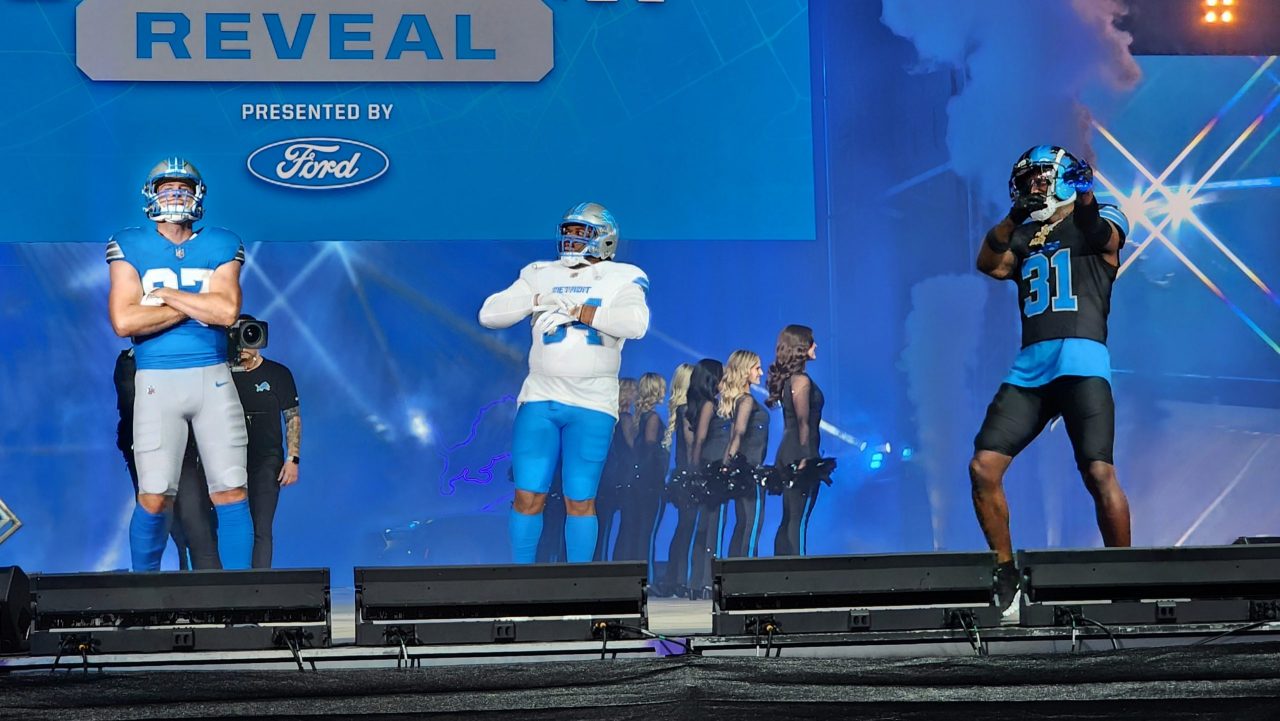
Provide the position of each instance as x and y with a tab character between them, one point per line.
627	391
652	388
679	395
736	380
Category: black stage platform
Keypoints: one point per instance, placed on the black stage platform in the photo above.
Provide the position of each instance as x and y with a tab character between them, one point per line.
1234	681
1165	633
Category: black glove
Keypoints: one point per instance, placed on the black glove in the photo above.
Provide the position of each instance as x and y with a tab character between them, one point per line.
1025	205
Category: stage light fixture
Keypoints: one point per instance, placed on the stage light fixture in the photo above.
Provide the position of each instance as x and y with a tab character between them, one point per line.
1211	17
1227	16
787	595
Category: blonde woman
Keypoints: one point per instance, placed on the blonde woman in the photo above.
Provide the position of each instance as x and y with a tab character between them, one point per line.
675	414
675	581
643	498
619	467
748	437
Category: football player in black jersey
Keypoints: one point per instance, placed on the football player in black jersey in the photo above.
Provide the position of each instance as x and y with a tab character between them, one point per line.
1064	261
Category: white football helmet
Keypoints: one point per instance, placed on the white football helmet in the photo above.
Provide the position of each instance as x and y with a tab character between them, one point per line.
184	205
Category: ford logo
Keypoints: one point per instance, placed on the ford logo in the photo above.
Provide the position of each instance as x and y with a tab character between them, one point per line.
318	163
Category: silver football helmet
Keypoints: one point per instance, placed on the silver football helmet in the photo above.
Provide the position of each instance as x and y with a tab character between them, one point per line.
182	205
587	230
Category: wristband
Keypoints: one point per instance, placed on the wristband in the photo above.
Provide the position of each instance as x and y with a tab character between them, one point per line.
995	245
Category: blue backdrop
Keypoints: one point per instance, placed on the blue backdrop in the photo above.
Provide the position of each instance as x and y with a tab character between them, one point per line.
749	206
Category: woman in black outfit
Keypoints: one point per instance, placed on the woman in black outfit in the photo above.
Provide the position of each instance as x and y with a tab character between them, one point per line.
619	469
642	502
748	437
801	401
675	581
710	439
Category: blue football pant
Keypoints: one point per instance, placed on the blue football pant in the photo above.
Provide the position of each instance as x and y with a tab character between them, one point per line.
545	432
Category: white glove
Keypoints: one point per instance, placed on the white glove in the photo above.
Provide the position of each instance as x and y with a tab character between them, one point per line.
555	301
549	321
151	300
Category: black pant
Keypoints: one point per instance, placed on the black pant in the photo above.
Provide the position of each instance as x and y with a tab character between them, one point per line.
264	495
194	511
706	540
678	553
551	543
635	534
1018	414
797	506
608	503
747	512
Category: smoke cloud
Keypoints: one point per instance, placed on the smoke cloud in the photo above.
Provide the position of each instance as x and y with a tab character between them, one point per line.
943	331
1025	65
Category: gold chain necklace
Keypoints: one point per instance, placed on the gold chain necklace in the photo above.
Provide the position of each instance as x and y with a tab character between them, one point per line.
1042	234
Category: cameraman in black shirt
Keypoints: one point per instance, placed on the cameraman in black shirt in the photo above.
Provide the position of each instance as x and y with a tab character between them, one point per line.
267	392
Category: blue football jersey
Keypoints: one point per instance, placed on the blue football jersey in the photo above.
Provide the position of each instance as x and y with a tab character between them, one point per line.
189	266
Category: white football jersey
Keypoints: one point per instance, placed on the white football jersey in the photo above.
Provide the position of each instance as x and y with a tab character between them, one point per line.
577	364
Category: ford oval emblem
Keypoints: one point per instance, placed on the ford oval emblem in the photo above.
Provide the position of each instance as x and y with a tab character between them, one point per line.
318	163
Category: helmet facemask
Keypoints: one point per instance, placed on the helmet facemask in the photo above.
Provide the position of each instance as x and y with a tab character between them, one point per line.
578	241
587	230
174	205
1043	180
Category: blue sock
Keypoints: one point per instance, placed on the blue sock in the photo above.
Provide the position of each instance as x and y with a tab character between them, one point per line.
525	532
235	535
148	533
580	538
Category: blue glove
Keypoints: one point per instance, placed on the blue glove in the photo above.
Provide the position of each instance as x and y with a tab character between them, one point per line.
1079	176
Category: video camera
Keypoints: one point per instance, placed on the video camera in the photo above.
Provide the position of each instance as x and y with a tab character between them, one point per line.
246	333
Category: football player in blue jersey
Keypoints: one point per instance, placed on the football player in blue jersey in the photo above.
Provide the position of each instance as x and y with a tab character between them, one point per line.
174	289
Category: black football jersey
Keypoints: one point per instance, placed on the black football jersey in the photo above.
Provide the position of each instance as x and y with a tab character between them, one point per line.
1064	284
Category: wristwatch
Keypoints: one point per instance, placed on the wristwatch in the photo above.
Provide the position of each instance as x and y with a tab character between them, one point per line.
295	460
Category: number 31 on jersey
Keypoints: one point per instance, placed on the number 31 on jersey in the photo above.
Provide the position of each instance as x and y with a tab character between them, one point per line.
1048	283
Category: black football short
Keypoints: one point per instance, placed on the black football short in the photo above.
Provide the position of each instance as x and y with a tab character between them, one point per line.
1017	415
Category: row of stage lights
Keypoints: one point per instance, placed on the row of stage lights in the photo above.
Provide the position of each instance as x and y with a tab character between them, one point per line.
1213	15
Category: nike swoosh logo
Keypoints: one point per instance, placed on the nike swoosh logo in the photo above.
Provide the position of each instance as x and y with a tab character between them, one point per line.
219	385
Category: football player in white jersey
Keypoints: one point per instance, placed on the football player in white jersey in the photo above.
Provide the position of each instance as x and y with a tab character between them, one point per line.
584	307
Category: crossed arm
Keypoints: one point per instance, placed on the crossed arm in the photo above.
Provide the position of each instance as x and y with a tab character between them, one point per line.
124	305
508	307
219	305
